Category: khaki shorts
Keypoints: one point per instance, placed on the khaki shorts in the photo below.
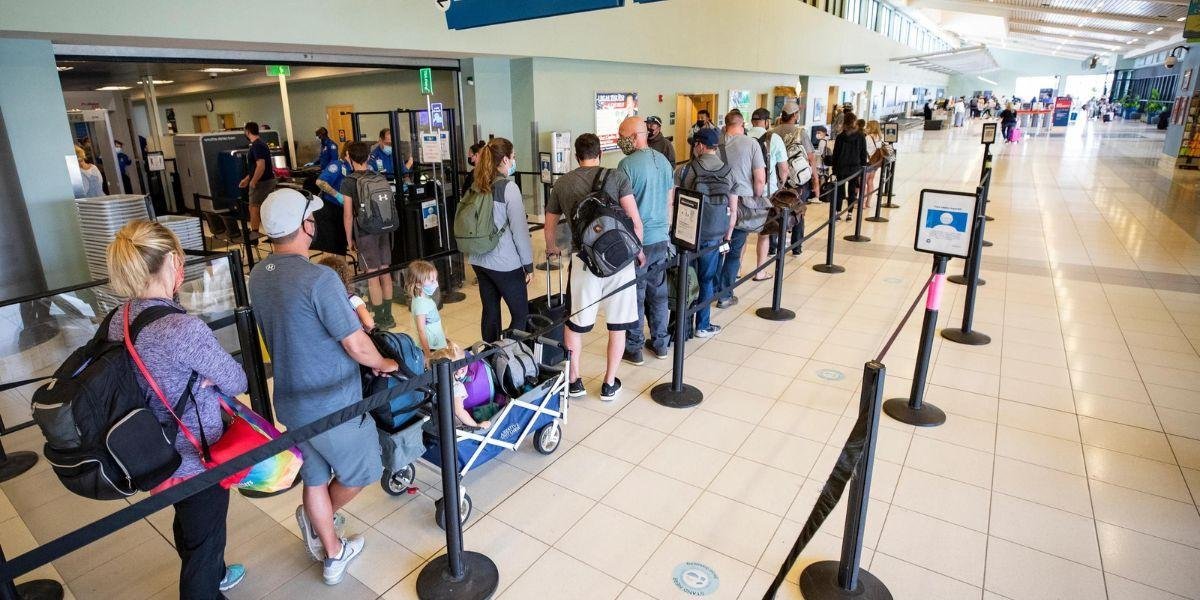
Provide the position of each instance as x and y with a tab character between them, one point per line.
259	191
375	251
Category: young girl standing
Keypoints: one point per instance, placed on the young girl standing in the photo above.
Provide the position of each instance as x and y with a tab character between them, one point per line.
421	281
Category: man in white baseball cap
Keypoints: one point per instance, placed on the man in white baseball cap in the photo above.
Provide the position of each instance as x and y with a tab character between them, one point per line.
316	343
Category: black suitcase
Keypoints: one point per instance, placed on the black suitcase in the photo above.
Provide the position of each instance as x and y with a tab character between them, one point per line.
547	314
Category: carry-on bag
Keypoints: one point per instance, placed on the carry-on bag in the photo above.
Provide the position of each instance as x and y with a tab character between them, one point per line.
548	310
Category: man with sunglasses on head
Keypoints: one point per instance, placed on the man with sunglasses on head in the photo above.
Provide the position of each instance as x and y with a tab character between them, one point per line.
316	343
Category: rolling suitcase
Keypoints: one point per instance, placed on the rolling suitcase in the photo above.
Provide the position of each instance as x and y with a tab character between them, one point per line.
1015	135
548	313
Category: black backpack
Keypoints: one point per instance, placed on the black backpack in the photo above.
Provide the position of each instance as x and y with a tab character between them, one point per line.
603	231
714	186
102	440
374	203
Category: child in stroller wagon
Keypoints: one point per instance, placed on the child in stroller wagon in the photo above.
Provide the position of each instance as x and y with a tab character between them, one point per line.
462	414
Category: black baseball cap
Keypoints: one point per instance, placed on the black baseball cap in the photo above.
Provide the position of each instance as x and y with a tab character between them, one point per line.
760	114
654	120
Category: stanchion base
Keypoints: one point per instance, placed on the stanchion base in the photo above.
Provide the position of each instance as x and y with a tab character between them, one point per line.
926	416
547	266
17	463
970	338
877	219
685	398
772	314
890	205
987	244
452	297
856	238
819	581
824	268
960	280
480	579
40	589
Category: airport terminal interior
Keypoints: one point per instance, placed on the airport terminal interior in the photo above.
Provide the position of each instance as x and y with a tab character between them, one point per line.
972	371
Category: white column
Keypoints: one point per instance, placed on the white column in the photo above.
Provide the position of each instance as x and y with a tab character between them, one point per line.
287	121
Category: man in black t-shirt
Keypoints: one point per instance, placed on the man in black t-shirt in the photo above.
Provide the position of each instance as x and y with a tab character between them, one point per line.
261	179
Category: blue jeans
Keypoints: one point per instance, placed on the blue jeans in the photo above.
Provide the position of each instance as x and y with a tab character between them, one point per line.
731	262
707	267
652	303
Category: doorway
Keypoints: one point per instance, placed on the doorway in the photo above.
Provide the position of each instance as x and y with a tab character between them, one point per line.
200	124
228	122
337	122
763	99
833	100
687	106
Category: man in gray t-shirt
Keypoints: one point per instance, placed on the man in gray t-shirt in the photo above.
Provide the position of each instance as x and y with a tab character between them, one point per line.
316	344
748	171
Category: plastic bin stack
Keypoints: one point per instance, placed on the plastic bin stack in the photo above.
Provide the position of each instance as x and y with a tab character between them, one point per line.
100	219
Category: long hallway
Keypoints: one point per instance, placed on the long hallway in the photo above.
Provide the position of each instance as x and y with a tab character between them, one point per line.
1069	466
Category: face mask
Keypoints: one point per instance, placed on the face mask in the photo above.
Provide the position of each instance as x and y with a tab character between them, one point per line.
429	288
626	144
512	168
387	150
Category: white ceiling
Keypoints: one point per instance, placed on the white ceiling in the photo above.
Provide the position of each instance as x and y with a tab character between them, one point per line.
1064	28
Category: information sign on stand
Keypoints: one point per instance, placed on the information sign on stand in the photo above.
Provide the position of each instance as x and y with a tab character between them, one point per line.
155	161
989	133
689	209
945	222
431	148
545	167
891	133
437	117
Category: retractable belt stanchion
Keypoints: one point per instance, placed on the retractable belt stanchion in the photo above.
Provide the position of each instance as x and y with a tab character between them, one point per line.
547	265
38	589
678	394
891	180
458	574
857	236
914	410
965	334
828	266
252	362
883	177
776	312
844	578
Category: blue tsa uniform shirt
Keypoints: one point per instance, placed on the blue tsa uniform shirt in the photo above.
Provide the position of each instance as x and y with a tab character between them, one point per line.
333	175
329	153
380	161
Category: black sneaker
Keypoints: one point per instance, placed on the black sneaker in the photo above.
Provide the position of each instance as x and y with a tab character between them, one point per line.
576	389
727	302
609	392
634	357
661	353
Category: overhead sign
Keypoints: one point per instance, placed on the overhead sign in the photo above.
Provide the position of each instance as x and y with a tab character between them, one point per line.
855	69
277	70
465	14
426	80
945	221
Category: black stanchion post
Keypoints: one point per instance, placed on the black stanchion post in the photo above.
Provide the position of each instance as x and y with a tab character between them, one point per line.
891	180
828	266
914	410
38	589
883	176
858	213
965	334
238	276
678	394
458	574
987	168
844	578
776	312
252	362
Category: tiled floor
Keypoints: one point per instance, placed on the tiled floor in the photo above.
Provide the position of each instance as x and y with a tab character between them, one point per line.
1069	466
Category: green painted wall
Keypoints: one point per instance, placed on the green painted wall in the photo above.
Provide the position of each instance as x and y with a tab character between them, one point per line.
38	133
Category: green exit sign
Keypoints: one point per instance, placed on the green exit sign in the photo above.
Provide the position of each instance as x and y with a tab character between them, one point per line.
426	80
277	70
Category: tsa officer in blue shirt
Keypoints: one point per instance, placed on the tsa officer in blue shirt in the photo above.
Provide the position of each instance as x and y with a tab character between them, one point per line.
381	156
329	149
330	180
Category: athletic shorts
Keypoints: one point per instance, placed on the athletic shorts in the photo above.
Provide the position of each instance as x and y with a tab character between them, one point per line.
375	250
259	191
349	452
586	290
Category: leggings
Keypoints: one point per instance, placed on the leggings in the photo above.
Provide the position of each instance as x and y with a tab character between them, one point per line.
494	285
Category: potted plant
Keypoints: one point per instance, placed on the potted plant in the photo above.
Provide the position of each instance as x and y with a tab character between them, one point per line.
1154	106
1129	106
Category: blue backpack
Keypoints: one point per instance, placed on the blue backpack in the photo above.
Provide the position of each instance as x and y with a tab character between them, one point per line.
402	349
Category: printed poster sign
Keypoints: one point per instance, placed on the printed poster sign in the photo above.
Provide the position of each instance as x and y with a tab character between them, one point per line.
429	214
945	221
740	99
431	148
611	109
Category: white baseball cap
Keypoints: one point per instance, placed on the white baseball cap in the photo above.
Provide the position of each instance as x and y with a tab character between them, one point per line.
284	210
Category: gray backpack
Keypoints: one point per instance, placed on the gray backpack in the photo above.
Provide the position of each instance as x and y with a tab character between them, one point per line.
374	203
604	232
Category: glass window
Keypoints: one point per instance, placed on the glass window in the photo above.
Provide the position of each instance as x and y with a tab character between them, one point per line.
885	19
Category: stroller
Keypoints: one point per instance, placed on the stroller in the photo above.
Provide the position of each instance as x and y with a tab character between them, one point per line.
526	395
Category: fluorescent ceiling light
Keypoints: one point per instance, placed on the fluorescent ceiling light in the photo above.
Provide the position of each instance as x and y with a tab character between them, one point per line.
222	70
62	68
162	81
113	88
985	79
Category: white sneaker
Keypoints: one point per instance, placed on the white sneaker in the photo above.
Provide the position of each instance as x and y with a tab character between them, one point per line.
309	535
335	568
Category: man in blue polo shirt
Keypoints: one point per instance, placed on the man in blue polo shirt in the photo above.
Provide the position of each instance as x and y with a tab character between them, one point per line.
328	152
650	175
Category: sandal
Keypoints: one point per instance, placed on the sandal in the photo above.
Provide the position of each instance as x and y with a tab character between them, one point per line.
757	278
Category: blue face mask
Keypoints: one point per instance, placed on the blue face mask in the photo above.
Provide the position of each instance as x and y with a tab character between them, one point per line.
512	168
387	150
429	288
